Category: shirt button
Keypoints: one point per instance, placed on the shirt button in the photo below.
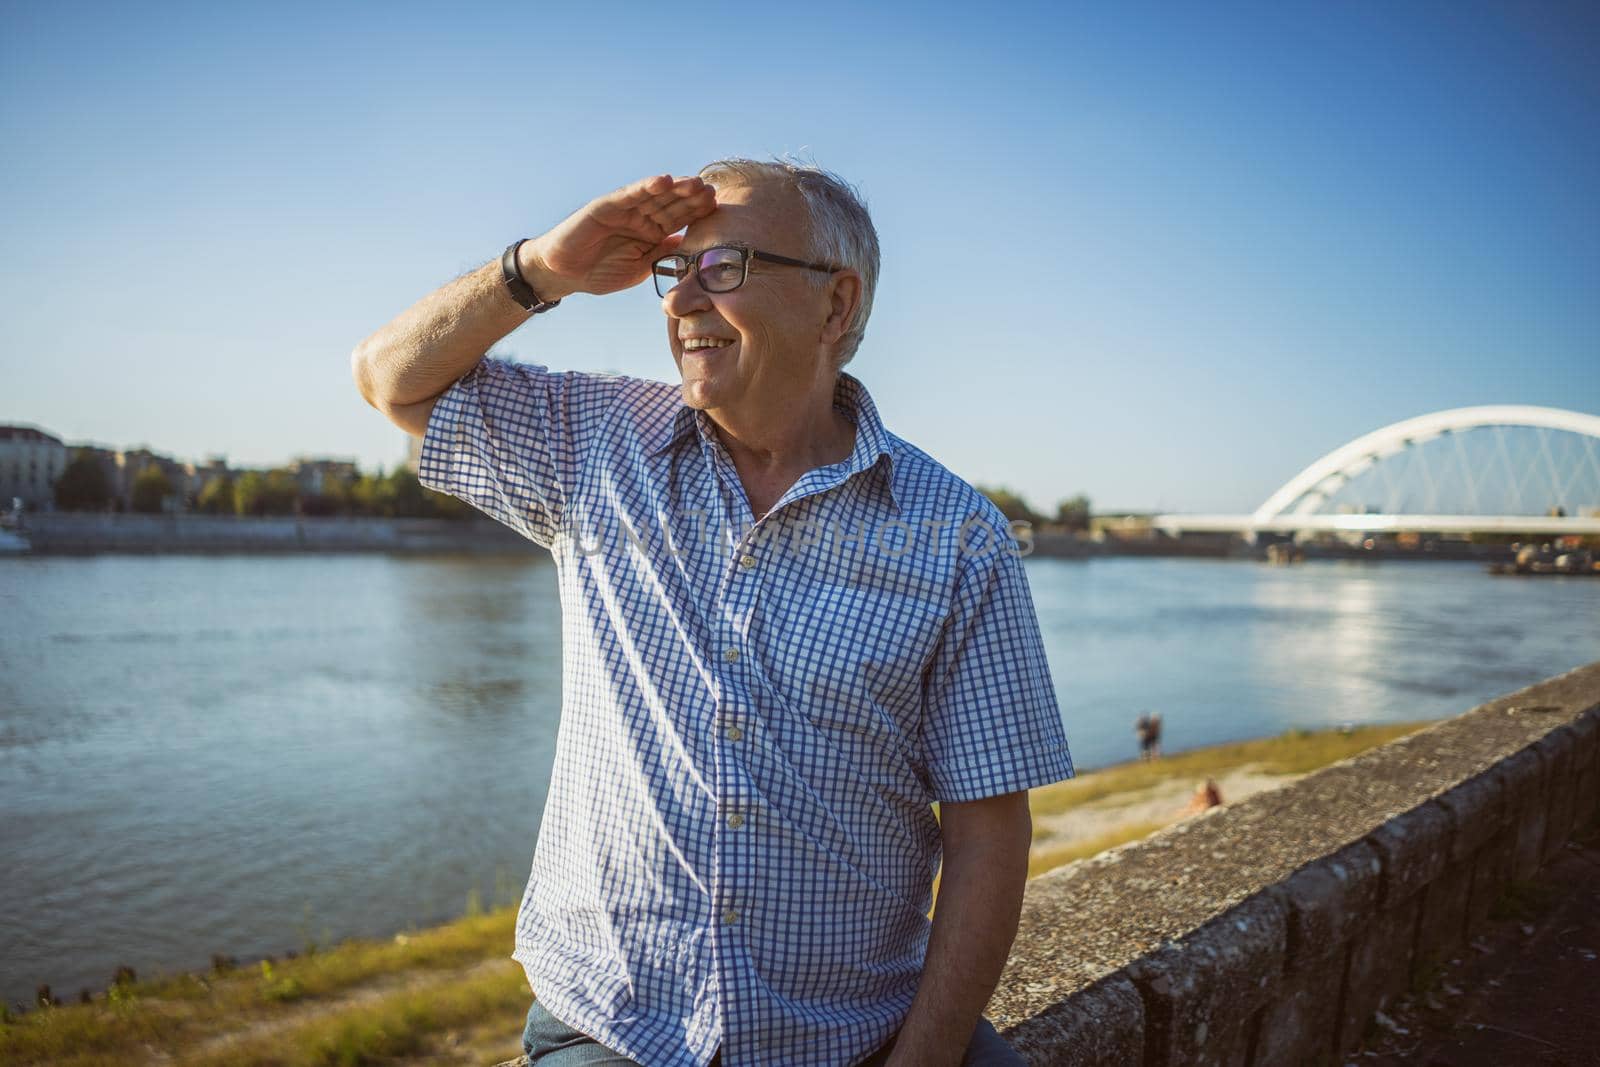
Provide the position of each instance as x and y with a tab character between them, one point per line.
747	562
731	655
736	820
730	916
734	733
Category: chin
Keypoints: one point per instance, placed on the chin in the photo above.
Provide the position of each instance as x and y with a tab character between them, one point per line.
700	393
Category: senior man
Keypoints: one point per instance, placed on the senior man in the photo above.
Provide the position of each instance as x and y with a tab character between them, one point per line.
787	634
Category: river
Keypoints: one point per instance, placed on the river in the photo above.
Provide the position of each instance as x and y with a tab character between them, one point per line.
243	754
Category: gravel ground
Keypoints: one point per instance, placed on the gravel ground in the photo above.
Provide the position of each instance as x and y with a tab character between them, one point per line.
1524	993
1164	803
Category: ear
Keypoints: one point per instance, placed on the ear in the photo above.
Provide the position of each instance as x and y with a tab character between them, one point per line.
844	296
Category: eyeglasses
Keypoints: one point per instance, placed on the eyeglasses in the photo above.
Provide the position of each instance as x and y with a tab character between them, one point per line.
720	269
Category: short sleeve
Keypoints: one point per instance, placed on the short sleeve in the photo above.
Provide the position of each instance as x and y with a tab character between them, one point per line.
509	439
991	723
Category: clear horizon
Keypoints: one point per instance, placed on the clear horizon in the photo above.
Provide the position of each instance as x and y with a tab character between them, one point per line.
1222	241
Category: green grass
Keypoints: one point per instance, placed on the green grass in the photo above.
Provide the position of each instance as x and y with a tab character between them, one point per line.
175	1012
401	1023
1048	857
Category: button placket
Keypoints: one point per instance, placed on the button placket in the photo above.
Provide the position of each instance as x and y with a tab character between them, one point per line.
741	590
736	613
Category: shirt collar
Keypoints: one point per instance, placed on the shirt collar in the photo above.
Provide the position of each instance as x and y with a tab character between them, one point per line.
872	445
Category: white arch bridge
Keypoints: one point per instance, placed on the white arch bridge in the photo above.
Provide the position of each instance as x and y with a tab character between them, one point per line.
1494	469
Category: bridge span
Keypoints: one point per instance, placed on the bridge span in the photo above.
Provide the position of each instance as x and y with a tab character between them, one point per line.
1508	469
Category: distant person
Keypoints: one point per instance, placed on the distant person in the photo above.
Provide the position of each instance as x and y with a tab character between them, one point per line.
1205	797
1148	727
765	689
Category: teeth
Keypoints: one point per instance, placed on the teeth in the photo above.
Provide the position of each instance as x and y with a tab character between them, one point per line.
704	342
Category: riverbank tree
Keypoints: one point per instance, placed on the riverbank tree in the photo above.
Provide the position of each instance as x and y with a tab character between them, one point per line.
83	486
400	495
1012	505
151	487
217	497
272	492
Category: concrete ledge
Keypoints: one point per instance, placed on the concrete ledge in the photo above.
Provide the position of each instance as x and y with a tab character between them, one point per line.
1412	849
1269	931
1442	925
1491	874
1378	969
1526	781
1477	809
1559	748
1200	992
1327	900
1587	733
1101	1023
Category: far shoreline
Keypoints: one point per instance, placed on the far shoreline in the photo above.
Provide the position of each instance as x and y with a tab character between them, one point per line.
59	533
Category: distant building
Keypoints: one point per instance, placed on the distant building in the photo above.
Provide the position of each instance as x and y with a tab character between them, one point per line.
311	475
200	474
30	463
1132	527
134	462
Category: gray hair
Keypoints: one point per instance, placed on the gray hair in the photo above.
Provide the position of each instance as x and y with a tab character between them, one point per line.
841	230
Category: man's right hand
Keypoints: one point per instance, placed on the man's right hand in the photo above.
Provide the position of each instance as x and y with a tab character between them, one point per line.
607	245
611	242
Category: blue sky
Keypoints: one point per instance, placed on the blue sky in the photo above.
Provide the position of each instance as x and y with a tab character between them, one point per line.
1166	255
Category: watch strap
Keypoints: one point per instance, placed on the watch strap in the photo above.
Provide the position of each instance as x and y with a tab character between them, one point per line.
518	286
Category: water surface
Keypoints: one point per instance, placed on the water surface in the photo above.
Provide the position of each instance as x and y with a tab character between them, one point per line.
242	754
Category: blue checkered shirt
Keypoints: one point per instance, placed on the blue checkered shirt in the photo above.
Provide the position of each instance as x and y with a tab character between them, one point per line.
738	846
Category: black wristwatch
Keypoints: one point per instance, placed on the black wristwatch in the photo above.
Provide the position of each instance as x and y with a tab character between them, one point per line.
518	286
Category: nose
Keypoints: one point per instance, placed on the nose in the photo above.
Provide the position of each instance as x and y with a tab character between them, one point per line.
685	298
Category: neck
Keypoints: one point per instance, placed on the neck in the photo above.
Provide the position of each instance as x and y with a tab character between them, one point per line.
786	433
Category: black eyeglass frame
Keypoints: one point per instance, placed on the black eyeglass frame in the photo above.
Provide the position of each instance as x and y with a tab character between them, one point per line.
746	254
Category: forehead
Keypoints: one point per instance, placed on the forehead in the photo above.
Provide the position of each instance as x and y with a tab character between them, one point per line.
768	216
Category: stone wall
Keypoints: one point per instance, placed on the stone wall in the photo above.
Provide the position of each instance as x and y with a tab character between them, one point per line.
1268	932
76	533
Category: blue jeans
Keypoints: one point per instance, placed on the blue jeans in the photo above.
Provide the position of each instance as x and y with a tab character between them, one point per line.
549	1042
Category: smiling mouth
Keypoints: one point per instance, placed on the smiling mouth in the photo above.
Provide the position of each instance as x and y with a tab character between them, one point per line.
705	344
